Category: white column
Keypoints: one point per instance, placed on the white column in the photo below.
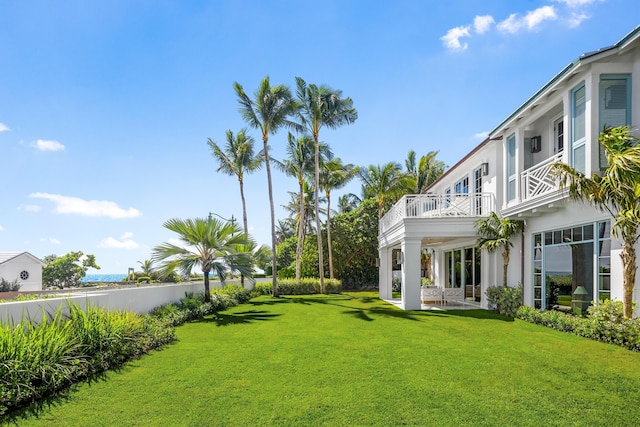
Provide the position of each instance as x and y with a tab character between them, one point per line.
384	273
411	274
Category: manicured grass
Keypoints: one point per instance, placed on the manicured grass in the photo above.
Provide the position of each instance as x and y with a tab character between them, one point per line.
352	359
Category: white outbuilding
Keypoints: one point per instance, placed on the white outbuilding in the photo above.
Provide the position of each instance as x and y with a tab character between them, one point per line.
23	267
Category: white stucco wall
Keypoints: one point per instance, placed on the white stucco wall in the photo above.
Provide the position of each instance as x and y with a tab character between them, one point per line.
10	270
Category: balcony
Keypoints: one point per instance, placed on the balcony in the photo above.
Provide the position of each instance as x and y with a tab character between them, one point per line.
538	180
438	206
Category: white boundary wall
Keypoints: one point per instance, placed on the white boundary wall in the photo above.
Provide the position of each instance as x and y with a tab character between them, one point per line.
140	300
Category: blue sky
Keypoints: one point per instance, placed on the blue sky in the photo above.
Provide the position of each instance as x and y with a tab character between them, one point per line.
106	106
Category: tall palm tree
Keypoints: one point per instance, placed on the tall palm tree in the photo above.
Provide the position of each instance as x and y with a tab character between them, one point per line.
425	171
269	111
386	183
348	202
495	233
284	229
334	175
208	243
317	107
299	164
616	192
237	158
306	222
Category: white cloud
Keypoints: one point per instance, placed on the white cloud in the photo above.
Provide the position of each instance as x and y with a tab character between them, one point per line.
481	135
126	235
1	228
577	19
48	145
482	24
530	21
576	3
3	127
50	240
451	40
111	243
94	208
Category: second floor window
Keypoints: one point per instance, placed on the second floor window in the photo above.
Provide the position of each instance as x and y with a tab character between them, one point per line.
511	167
462	186
614	105
578	128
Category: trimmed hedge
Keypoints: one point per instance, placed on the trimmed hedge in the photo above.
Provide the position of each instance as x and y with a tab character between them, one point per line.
603	323
306	286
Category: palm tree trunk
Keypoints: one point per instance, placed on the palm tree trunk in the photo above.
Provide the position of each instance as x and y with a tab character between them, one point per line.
300	244
329	235
244	219
505	267
274	266
628	256
318	227
207	292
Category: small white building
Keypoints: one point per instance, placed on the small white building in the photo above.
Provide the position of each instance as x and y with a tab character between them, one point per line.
566	253
23	267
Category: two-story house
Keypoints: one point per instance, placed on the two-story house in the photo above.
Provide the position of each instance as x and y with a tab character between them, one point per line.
566	252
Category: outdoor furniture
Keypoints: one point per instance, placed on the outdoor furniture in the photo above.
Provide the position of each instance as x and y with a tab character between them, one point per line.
453	295
431	294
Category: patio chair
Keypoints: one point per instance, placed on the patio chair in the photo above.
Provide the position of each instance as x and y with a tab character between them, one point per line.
431	294
453	295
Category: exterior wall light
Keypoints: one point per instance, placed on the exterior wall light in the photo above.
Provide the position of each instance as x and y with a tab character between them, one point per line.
485	169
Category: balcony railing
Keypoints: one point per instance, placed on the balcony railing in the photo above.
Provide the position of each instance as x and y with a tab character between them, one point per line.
539	180
438	206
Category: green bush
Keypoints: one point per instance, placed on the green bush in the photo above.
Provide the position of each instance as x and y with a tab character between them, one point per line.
306	286
506	300
603	322
6	286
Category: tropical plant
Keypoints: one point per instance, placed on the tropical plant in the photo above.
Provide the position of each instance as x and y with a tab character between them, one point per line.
299	164
425	171
238	158
334	175
348	202
211	244
318	107
268	112
67	270
616	191
308	211
495	233
285	229
385	183
146	266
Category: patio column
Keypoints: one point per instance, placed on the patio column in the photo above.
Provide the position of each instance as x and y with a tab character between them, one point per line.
384	273
411	274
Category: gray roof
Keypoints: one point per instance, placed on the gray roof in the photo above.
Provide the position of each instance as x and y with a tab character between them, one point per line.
8	256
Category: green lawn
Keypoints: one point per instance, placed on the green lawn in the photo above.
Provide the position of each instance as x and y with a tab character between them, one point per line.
352	359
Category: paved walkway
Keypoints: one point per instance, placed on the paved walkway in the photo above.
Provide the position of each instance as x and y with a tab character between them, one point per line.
437	307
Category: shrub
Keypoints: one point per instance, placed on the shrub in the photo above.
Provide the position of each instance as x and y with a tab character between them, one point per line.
306	286
506	300
603	322
6	286
396	284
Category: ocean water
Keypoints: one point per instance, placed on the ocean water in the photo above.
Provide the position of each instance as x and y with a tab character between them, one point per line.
104	278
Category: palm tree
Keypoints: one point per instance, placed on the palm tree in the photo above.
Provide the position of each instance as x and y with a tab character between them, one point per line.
299	164
348	202
146	266
386	183
284	229
269	112
208	243
616	192
496	233
317	107
236	159
306	222
425	171
334	175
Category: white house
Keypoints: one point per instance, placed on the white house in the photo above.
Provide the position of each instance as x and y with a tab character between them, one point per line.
566	246
23	267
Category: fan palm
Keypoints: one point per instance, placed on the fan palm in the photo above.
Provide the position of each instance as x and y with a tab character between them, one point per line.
617	192
317	107
334	175
268	112
237	158
495	233
208	243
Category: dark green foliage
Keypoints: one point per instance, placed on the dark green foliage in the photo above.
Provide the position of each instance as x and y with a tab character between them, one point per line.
355	246
6	286
306	286
506	300
287	253
604	322
67	270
